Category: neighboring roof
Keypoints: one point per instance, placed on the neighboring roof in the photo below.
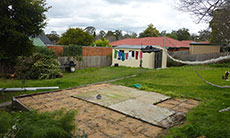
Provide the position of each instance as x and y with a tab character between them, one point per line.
169	42
191	41
37	42
199	43
45	39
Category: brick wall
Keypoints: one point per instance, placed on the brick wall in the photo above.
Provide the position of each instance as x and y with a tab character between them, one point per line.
58	49
96	51
86	50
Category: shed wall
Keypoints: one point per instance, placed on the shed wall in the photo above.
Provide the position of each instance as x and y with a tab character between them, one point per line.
203	49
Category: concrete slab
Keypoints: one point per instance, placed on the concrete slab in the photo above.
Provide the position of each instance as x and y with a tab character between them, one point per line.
136	103
147	112
152	98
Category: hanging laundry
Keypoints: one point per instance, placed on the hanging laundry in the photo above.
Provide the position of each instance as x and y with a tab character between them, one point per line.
119	55
141	54
130	55
136	54
123	56
115	53
126	55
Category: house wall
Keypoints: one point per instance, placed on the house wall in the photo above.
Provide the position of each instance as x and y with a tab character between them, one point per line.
203	49
147	61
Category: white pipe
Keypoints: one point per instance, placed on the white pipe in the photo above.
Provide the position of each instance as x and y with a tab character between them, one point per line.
28	88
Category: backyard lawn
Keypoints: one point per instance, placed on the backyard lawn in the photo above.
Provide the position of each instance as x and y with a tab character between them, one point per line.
80	77
204	120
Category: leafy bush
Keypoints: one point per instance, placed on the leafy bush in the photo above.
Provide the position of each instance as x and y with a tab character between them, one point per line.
38	66
45	51
102	42
72	51
32	124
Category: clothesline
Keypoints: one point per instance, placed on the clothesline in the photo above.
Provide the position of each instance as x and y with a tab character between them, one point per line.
128	56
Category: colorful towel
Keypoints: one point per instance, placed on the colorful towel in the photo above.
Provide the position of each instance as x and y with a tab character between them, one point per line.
136	54
126	55
119	55
123	56
115	53
141	55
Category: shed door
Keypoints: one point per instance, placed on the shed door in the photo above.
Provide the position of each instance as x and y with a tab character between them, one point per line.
158	60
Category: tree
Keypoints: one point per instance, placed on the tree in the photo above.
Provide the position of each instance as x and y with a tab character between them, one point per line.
183	34
53	37
150	31
118	34
220	25
216	12
20	19
110	36
102	42
202	9
76	36
204	35
102	34
173	35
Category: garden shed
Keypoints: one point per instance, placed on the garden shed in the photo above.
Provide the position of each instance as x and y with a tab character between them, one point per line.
140	56
203	48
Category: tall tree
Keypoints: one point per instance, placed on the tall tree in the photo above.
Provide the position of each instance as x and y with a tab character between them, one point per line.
202	9
220	25
118	34
150	31
20	19
76	36
183	34
173	35
53	37
204	35
110	36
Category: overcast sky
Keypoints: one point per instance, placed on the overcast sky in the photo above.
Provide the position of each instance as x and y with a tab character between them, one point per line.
126	15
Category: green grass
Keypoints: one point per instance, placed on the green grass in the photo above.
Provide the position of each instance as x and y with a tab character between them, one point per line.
80	77
175	81
183	82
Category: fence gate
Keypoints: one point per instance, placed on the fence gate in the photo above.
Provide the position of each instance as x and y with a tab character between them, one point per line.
158	60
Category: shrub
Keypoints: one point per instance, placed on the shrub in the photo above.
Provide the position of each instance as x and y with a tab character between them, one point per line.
38	66
45	51
32	124
72	51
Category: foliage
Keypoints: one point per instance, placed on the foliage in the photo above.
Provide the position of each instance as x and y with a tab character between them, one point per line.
150	31
20	19
45	52
73	51
183	34
38	66
220	26
53	37
102	42
32	124
173	35
204	35
77	37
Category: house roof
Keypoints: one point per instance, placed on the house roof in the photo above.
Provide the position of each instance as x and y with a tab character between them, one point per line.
131	47
44	39
169	42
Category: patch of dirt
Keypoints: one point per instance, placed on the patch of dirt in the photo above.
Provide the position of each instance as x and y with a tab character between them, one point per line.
100	122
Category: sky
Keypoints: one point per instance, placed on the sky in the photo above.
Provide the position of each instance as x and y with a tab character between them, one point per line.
127	15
